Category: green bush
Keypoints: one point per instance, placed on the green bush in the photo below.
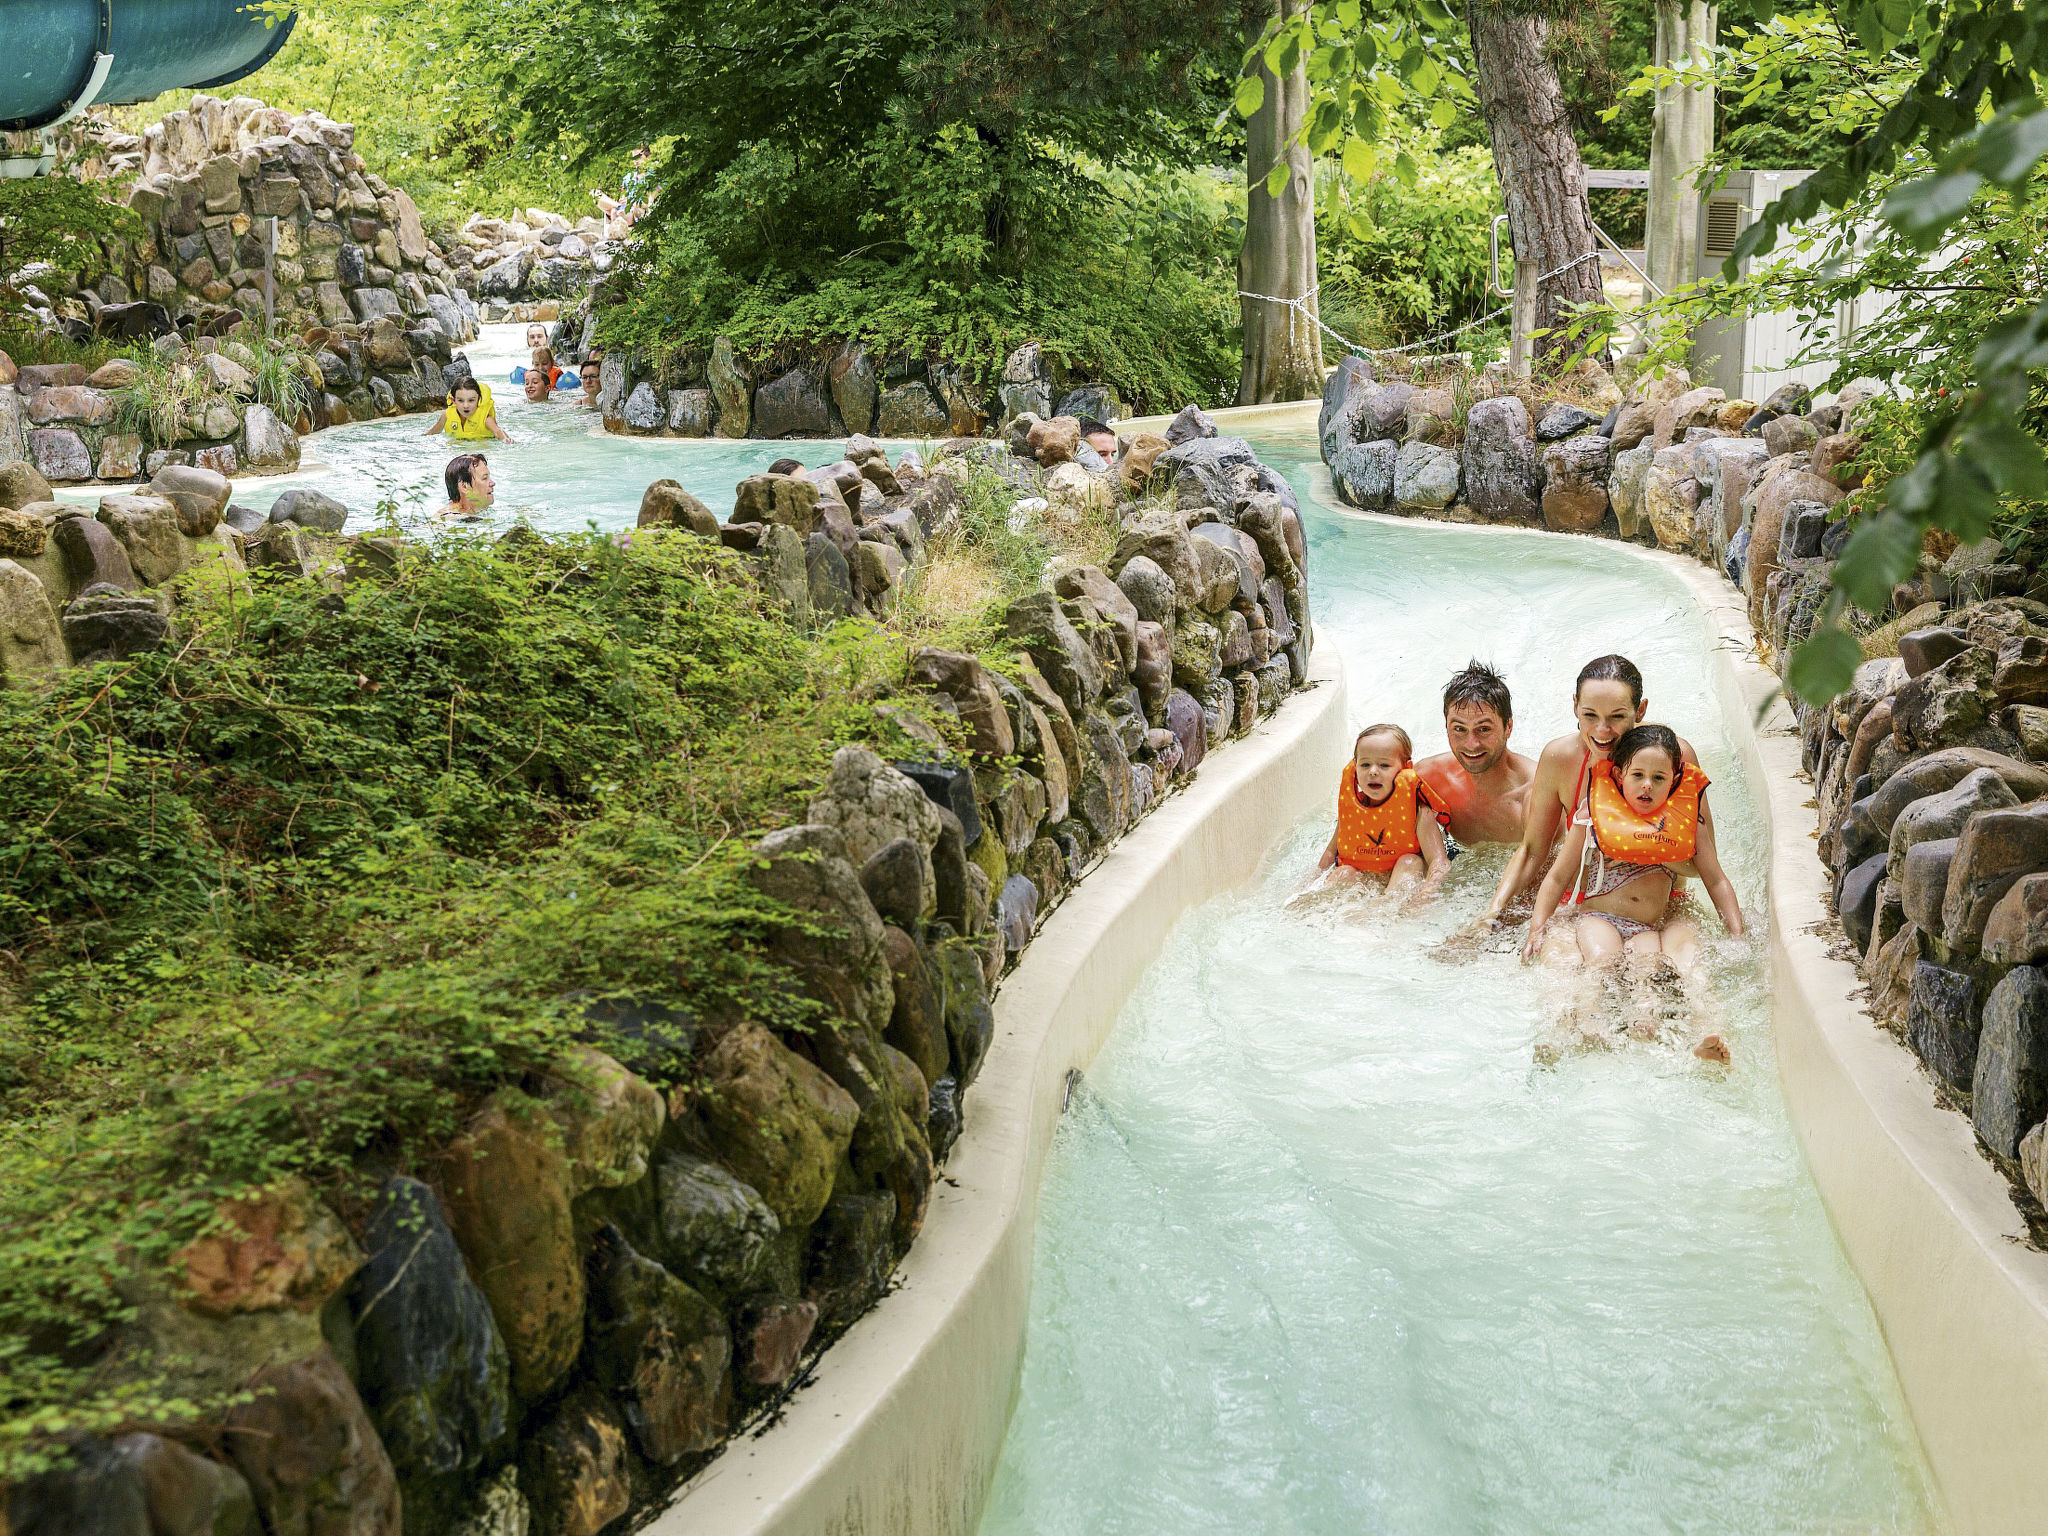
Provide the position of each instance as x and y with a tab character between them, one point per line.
290	896
1402	263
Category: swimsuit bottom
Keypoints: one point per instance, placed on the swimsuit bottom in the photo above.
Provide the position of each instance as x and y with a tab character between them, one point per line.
1627	927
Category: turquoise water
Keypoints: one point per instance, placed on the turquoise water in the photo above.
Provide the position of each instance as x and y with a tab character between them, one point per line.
559	472
1321	1249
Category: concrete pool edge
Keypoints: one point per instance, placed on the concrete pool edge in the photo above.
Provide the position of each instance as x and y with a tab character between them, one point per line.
901	1429
1927	1223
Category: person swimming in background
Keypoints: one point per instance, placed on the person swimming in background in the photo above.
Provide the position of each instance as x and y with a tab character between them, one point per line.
1388	822
536	387
1644	813
470	416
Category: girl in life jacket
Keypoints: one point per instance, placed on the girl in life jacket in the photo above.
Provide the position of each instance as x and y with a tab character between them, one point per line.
471	416
1388	822
1644	812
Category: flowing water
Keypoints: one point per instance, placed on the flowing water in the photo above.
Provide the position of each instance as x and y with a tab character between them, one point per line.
1321	1248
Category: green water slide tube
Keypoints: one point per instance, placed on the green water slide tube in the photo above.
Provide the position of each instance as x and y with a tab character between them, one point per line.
58	57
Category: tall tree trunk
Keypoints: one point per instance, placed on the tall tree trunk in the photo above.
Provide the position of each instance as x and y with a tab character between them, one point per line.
1541	176
1283	350
1681	134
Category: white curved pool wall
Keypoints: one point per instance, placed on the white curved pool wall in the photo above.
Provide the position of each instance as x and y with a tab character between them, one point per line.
900	1432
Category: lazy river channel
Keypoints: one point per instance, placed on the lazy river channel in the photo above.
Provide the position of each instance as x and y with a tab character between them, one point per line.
1322	1248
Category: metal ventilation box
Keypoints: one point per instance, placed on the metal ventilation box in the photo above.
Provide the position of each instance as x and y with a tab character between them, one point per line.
1750	356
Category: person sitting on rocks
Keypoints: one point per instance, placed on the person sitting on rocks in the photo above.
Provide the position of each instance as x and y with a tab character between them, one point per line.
1388	823
1481	784
470	416
471	490
637	193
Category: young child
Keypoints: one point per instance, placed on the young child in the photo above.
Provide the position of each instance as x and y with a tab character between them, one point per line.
471	416
1643	814
1388	823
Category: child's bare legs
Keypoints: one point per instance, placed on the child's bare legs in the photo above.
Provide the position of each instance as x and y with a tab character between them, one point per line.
1600	943
1682	944
1406	874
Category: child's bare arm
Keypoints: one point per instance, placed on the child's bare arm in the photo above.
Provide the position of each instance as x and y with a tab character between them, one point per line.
1429	832
1707	860
1329	854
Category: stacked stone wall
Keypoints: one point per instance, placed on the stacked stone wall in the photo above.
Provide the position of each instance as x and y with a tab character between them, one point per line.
597	1283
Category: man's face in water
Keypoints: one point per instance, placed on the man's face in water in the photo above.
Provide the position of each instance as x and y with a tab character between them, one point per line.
1478	736
1604	710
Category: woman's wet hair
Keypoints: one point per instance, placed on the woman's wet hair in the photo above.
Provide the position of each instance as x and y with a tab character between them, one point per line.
460	471
1480	684
1611	669
786	467
1640	738
1407	746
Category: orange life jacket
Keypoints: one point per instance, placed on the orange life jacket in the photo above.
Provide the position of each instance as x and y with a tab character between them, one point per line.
1375	838
1671	837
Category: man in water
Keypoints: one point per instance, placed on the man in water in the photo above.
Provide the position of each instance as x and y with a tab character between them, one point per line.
1483	785
470	488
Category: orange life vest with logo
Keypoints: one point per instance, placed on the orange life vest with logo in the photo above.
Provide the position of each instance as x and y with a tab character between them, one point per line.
1375	838
1670	837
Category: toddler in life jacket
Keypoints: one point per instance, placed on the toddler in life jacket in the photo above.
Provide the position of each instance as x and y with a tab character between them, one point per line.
1388	822
1642	815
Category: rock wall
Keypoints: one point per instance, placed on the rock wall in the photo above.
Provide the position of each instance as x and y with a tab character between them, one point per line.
519	266
595	1284
848	390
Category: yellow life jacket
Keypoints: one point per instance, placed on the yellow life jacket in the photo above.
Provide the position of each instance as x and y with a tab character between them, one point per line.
1375	838
478	427
1670	837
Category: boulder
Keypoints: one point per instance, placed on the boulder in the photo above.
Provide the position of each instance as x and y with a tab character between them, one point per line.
312	1458
1109	601
842	964
690	412
1628	486
60	454
429	1359
1017	912
1426	477
1561	421
1922	650
1995	849
1189	423
1694	408
770	1334
575	1469
1502	471
2009	1085
31	640
95	1492
659	1352
1941	770
793	405
1946	704
1364	473
505	1187
21	484
731	388
1857	895
607	1119
199	495
872	805
852	1253
789	500
303	505
272	1249
1162	540
1671	498
1053	442
1943	1017
910	410
1775	493
1945	814
665	504
267	443
147	528
1575	471
644	410
1789	434
917	1026
2016	932
187	1494
950	788
110	625
781	1123
715	1228
1041	624
851	378
1634	423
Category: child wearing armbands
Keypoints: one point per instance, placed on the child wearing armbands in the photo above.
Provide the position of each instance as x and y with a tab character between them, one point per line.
1388	822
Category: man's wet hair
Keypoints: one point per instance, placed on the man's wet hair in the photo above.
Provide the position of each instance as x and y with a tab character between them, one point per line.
786	467
1479	684
1638	738
1611	669
1090	425
460	471
1407	746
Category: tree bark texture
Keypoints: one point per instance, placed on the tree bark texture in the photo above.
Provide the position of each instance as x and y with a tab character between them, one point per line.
1283	349
1542	179
1681	134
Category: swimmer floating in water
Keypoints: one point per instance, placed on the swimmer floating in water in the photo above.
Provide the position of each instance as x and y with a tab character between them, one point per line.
1644	813
1388	822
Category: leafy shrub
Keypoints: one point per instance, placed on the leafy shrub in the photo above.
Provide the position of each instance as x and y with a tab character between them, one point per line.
1403	262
